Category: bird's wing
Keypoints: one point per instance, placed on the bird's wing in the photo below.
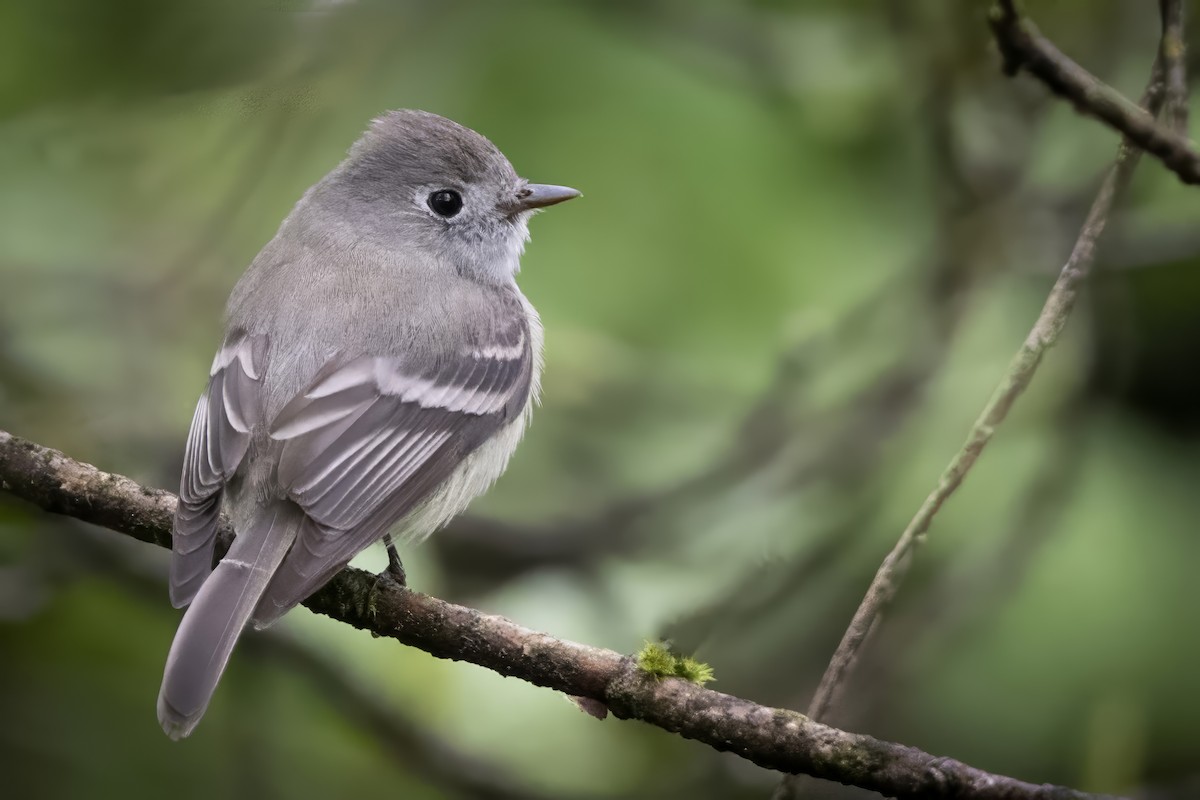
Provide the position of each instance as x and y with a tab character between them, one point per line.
220	434
372	437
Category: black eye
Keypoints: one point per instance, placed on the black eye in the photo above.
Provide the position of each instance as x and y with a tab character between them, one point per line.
445	202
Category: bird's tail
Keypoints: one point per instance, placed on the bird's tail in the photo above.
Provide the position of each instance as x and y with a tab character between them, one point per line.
217	615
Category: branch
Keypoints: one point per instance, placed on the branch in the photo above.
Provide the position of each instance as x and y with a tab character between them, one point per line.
770	737
1024	47
958	599
1020	372
1173	53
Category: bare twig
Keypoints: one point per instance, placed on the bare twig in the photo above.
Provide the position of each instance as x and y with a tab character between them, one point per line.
1020	372
959	598
1173	53
770	737
1024	47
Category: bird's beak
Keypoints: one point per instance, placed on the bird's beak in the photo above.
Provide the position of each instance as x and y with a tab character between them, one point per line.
539	195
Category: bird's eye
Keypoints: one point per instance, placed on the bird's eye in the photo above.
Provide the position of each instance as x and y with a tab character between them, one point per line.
445	203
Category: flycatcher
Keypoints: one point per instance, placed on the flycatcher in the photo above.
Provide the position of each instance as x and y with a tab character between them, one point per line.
378	369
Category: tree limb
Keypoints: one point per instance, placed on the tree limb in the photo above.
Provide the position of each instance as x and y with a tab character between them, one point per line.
1024	47
770	737
885	585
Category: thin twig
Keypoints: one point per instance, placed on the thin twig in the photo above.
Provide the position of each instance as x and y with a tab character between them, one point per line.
1020	372
958	599
770	737
1024	47
1173	52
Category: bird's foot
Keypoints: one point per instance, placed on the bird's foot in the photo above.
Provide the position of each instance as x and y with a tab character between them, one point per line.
395	567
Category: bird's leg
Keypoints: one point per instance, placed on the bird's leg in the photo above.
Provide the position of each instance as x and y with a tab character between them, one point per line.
395	568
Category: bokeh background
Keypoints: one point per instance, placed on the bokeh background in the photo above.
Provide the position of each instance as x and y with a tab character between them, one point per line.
812	236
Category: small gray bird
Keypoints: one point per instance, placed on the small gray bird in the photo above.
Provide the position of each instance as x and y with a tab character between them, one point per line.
378	369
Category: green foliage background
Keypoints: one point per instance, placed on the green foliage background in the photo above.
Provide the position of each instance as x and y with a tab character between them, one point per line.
811	237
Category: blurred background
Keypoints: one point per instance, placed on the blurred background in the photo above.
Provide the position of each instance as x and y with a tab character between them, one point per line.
812	236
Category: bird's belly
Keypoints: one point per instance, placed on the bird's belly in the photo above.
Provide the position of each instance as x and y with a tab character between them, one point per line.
475	475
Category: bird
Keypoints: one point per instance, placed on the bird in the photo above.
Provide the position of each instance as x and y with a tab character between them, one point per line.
378	368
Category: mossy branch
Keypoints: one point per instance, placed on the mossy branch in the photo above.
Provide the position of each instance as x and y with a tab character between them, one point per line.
770	737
